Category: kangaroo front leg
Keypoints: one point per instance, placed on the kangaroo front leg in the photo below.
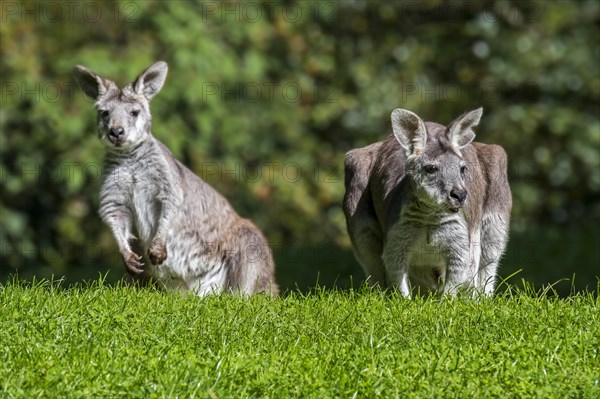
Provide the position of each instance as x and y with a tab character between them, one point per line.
395	258
494	239
458	276
396	267
399	280
487	277
119	221
158	248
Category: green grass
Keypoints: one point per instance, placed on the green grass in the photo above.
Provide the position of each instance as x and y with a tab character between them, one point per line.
114	341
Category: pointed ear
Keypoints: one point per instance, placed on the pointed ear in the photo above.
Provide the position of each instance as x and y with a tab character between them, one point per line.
409	130
151	80
460	132
93	85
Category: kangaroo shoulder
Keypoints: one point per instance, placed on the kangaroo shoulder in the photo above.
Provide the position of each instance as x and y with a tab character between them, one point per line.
359	161
491	155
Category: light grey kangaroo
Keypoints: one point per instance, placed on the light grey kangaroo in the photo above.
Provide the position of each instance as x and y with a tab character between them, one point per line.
428	208
188	235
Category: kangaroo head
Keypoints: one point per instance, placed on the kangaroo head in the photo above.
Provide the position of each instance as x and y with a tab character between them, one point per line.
434	161
123	114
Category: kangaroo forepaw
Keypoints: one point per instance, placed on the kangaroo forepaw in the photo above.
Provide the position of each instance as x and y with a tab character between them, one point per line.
133	263
157	252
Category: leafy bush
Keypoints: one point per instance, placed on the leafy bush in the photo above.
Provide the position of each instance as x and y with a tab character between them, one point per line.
263	99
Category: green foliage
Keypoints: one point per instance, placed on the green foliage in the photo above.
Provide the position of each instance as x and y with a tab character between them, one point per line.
263	100
100	341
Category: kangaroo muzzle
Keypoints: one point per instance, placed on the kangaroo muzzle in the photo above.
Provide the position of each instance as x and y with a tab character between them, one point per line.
116	135
457	198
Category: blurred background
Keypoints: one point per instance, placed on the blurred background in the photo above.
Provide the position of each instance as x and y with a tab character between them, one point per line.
263	99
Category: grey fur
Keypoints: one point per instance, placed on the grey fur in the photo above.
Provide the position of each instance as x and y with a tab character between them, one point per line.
191	237
416	218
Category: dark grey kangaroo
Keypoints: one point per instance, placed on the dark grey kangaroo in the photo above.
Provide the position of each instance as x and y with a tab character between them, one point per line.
429	208
189	235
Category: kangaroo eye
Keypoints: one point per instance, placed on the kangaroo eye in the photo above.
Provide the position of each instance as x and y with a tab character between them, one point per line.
104	114
463	169
430	169
134	113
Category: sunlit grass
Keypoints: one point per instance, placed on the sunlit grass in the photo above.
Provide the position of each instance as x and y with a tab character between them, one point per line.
117	341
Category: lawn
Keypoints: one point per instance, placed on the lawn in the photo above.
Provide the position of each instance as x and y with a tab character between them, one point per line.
98	341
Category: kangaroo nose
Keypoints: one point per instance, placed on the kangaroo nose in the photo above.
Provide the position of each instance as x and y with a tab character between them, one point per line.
458	195
116	132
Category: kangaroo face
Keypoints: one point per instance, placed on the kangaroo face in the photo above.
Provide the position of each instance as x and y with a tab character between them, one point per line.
439	178
434	161
123	119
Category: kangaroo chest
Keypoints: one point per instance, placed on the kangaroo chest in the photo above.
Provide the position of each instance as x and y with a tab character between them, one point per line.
138	186
428	248
146	210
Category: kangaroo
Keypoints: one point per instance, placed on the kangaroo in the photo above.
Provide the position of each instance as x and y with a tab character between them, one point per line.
189	236
428	208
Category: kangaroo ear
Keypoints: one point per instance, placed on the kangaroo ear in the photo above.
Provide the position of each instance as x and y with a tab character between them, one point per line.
93	85
151	80
460	132
409	130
